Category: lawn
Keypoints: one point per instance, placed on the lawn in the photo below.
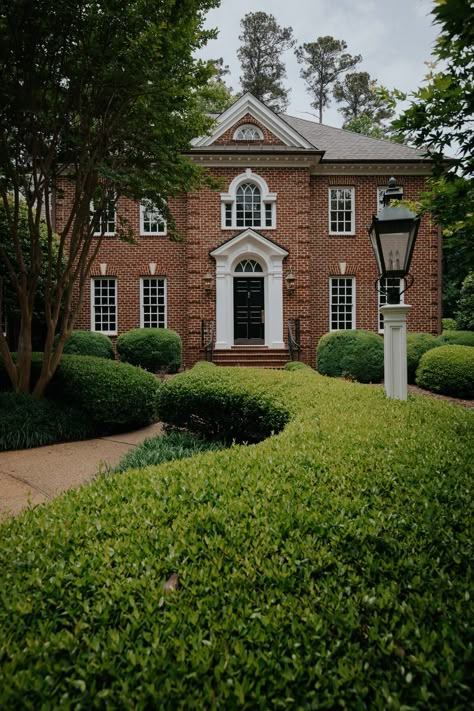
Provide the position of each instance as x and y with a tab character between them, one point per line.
326	566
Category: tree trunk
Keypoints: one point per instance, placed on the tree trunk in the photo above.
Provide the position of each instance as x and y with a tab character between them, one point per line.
23	362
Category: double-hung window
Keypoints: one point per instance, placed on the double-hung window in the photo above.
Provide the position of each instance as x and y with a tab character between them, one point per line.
104	305
106	221
151	220
341	211
248	203
341	303
388	283
153	302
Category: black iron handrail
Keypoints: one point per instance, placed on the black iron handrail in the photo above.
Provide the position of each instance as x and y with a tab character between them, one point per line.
294	346
208	338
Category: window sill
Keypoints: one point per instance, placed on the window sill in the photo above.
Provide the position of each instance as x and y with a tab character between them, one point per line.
241	229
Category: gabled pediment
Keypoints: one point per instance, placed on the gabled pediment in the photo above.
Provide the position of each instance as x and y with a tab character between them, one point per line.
248	105
249	242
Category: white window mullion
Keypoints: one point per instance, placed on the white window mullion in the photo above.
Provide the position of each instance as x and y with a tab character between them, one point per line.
104	305
342	303
153	302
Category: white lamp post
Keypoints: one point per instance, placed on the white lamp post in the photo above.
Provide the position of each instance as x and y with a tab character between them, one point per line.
392	235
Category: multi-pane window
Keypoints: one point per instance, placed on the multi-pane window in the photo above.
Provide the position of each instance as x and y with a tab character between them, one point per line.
341	210
342	302
388	283
248	203
153	302
248	206
106	222
248	265
104	305
151	220
248	133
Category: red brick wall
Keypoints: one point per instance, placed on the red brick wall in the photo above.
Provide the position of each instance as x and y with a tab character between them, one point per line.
302	229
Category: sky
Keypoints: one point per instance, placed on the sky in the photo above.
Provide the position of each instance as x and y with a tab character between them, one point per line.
394	37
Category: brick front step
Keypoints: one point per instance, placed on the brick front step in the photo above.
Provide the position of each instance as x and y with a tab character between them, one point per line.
252	357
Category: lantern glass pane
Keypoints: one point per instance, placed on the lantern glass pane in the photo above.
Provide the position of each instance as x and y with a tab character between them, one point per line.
394	251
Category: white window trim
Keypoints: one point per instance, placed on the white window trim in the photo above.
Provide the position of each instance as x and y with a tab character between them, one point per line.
354	322
163	233
99	233
402	301
230	197
245	126
342	187
142	311
106	333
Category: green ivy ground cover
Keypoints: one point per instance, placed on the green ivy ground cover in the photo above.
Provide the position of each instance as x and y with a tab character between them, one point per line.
325	567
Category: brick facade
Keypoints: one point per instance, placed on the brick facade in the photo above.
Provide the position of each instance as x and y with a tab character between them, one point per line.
302	228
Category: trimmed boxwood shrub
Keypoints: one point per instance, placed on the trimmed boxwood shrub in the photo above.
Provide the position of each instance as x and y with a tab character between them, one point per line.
456	338
417	344
213	402
448	370
154	349
297	365
115	396
26	423
327	567
449	324
90	343
355	354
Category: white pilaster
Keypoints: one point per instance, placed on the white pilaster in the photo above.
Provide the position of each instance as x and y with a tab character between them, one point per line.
395	350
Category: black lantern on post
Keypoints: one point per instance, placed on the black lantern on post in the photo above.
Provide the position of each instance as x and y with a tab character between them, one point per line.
393	234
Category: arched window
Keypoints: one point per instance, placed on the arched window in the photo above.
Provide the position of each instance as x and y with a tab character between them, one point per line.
248	132
248	206
248	203
248	265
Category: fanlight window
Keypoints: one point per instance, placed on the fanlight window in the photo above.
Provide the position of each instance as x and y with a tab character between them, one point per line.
248	265
248	133
248	206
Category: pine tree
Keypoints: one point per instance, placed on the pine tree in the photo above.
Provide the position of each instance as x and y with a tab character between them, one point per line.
325	60
263	43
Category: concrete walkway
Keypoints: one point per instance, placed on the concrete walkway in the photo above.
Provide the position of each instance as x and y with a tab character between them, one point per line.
31	476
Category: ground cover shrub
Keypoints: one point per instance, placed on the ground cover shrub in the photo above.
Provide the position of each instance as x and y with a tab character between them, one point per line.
326	567
213	402
357	355
26	423
297	365
92	343
449	324
154	349
448	370
456	338
114	396
417	344
164	448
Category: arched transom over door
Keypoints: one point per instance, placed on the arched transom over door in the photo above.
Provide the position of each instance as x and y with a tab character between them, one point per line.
249	291
249	303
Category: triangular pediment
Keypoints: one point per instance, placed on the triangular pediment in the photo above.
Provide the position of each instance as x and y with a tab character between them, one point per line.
249	241
248	105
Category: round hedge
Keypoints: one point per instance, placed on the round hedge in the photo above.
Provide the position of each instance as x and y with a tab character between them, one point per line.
115	396
448	370
296	365
355	354
89	343
154	349
456	338
417	344
449	324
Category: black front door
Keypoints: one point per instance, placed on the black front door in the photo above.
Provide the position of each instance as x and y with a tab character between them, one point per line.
249	325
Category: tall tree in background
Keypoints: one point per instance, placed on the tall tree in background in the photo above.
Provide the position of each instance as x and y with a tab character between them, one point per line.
324	60
361	96
91	92
216	96
263	43
440	117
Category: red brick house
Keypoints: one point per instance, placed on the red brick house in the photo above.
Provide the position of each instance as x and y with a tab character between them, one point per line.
285	242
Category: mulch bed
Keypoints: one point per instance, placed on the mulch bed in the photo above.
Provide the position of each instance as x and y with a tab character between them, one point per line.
415	390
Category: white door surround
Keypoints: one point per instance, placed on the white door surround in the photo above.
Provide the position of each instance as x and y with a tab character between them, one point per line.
249	245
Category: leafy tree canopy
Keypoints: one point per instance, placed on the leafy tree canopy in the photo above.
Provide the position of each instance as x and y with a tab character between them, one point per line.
263	43
324	61
361	96
107	95
216	96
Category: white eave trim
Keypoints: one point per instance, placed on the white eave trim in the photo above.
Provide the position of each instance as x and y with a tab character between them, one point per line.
248	104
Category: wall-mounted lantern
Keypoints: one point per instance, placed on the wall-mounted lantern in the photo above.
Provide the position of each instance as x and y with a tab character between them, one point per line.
290	282
208	280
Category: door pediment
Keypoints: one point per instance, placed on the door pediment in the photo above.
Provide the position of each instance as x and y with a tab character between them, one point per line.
250	243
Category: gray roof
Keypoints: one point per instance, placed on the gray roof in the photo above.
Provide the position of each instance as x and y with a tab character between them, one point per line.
347	146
